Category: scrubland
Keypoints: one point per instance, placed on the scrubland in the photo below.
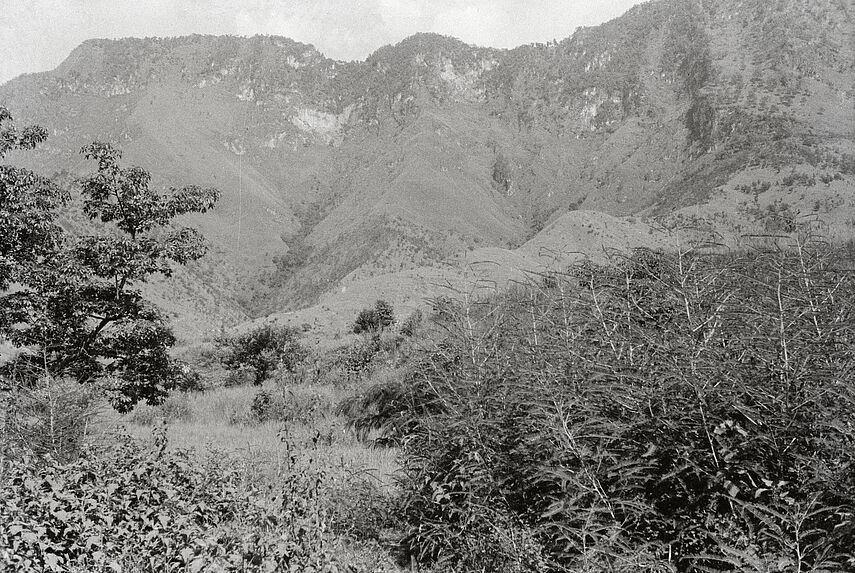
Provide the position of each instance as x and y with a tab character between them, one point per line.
688	411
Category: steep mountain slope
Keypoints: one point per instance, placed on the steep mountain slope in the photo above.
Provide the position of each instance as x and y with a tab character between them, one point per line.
733	115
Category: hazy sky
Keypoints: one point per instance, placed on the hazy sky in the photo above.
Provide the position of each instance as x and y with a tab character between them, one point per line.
36	35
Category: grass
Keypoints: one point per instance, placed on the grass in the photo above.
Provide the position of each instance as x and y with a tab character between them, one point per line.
223	418
329	498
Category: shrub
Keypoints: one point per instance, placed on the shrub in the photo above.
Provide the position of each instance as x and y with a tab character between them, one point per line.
240	376
133	508
412	323
187	378
359	509
679	411
502	174
49	419
375	319
261	405
263	349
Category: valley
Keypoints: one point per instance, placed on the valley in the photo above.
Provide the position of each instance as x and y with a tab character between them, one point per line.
577	306
335	174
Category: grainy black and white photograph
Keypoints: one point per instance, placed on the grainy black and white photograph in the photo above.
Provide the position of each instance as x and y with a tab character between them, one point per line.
427	286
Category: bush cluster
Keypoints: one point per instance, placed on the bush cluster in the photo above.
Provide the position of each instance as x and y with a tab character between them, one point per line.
375	319
136	508
257	353
683	412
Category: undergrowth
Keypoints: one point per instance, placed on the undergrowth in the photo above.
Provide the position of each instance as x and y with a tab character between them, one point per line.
679	412
134	507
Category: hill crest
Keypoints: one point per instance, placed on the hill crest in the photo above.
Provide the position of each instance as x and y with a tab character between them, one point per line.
340	171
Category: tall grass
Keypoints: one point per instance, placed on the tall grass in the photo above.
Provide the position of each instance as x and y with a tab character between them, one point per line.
224	485
689	412
235	420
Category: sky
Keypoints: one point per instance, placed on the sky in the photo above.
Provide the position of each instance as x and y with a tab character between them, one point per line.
36	35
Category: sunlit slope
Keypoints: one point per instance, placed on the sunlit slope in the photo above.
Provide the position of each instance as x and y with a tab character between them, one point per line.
735	117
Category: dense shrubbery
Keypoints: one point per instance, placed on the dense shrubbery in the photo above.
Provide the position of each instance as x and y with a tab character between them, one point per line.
375	319
259	352
132	508
48	418
681	412
412	323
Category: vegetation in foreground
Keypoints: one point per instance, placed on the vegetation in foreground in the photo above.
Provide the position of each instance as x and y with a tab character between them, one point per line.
687	412
683	412
235	478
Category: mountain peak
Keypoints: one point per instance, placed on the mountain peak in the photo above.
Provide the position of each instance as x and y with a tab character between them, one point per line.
336	172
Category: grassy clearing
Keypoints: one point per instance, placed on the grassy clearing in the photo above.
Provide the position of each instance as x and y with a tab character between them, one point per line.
255	478
223	418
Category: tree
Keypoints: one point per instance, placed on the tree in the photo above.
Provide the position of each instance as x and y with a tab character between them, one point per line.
384	313
75	311
374	319
264	349
27	202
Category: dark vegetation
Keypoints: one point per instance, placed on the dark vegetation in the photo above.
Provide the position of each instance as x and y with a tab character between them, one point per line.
674	412
77	310
262	350
136	508
680	412
371	320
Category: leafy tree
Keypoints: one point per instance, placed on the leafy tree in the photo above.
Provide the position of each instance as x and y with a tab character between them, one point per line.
374	319
27	201
75	310
264	349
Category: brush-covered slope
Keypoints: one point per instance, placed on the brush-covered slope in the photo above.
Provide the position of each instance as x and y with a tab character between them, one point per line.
737	114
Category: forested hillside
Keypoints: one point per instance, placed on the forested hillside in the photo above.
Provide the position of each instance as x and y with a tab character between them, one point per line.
335	173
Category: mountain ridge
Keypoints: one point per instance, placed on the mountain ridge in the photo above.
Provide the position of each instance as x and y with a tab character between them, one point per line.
341	171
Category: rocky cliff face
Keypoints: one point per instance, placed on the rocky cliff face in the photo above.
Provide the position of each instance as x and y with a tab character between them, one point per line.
431	147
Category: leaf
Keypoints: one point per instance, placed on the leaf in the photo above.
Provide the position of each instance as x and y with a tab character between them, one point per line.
52	562
29	537
197	565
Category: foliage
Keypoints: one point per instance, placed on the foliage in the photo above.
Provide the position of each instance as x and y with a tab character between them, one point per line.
687	55
375	319
700	121
352	362
133	508
691	412
288	405
27	203
412	323
687	48
77	312
263	349
502	174
50	418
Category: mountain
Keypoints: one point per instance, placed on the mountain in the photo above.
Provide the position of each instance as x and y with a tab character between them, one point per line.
343	182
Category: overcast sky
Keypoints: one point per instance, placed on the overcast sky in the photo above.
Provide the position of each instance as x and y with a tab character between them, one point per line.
36	35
